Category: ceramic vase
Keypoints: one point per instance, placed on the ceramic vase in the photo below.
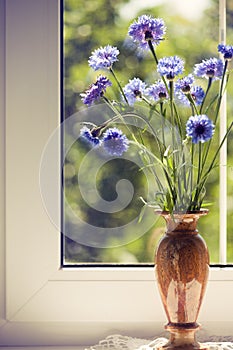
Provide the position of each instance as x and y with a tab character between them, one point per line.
182	268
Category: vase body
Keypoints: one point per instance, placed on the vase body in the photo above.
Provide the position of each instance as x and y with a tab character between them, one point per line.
182	268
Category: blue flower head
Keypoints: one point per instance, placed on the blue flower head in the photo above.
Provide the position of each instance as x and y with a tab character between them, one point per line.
147	28
134	90
185	83
197	94
226	50
200	128
170	66
211	68
184	86
90	137
115	142
158	91
103	58
96	90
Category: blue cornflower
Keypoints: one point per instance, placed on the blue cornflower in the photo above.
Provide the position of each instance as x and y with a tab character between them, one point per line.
89	136
134	90
226	50
185	83
196	92
158	91
147	28
170	66
115	142
104	57
184	86
200	128
96	90
211	68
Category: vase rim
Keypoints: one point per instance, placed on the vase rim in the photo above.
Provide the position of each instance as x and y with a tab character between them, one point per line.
182	213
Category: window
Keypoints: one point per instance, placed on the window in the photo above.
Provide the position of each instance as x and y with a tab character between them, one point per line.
41	303
83	33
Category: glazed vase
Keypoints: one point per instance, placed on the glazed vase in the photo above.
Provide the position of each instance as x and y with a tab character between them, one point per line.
182	268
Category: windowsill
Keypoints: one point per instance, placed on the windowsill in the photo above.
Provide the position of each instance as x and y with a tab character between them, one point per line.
84	306
201	336
126	274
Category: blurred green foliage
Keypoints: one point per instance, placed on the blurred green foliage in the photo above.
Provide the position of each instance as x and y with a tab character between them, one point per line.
89	24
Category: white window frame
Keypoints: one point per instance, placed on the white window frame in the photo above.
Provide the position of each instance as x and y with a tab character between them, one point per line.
40	303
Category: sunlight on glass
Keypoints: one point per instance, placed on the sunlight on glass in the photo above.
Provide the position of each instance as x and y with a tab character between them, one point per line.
192	10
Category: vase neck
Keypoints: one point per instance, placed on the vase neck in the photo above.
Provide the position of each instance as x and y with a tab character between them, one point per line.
183	222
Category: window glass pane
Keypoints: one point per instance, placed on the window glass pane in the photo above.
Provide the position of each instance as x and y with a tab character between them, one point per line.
95	231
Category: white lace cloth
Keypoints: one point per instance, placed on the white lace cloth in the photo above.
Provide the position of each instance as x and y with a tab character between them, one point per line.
119	342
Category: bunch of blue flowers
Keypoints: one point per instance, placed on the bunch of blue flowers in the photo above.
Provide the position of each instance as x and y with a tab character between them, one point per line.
184	160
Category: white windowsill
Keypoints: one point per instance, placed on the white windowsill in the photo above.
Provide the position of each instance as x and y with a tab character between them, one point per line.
126	274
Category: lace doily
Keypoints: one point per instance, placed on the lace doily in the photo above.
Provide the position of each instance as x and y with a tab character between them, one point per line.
119	342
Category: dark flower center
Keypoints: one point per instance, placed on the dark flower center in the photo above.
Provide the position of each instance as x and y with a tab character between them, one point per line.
200	129
193	97
228	56
162	95
170	76
148	35
186	88
137	93
96	132
210	72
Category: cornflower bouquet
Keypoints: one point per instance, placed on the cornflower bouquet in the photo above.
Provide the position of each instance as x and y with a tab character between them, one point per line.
179	148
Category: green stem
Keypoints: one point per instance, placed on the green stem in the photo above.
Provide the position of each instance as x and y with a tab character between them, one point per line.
171	189
221	92
199	171
184	170
207	90
115	118
119	85
190	178
217	111
171	100
178	120
156	61
121	117
193	105
153	51
147	101
133	115
174	143
218	150
191	170
162	115
173	127
212	164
